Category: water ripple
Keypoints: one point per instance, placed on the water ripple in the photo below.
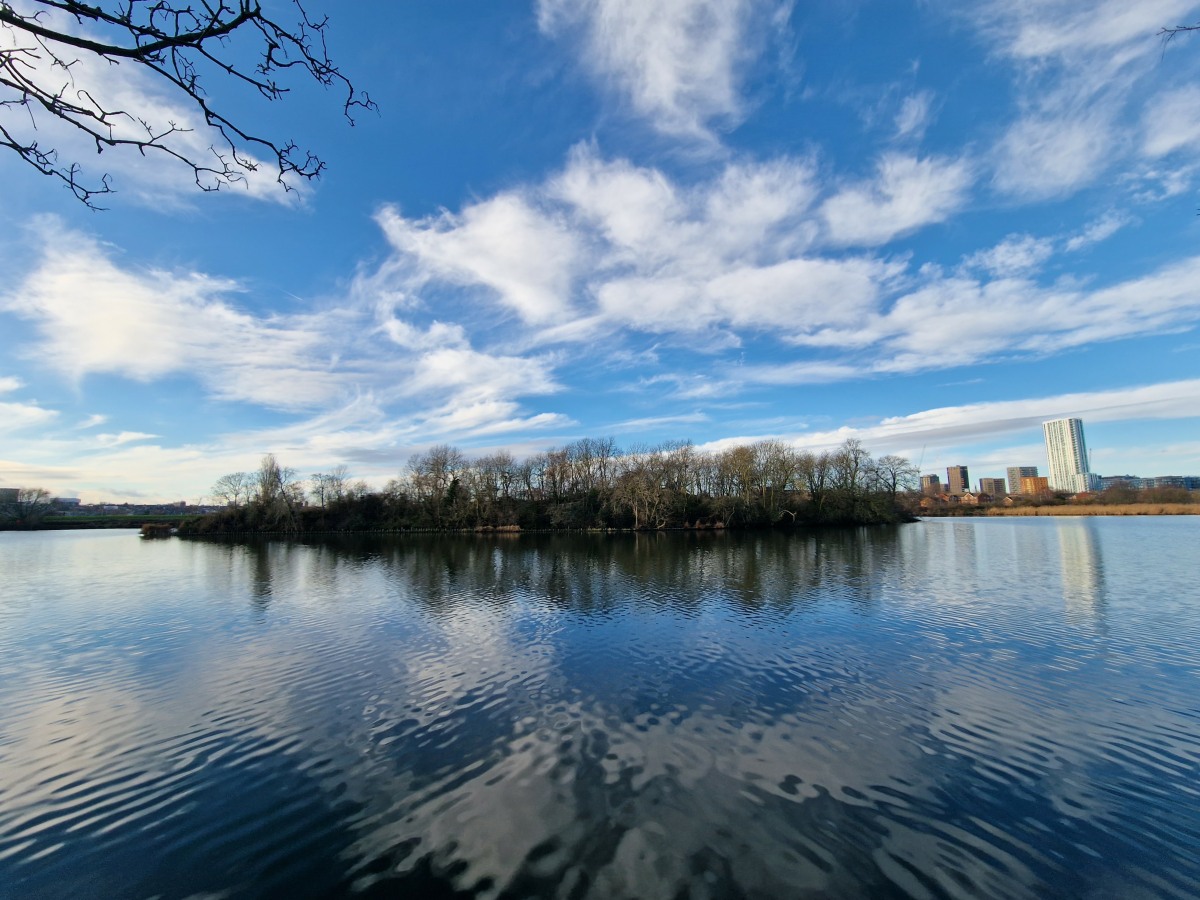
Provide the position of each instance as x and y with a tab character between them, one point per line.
651	715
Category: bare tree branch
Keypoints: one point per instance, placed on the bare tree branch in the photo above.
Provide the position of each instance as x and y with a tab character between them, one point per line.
42	43
1168	33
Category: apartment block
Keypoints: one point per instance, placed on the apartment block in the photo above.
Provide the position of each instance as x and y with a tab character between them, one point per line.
993	486
1035	486
957	480
1066	451
1016	473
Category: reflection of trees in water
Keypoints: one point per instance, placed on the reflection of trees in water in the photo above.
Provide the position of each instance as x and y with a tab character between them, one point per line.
599	573
260	574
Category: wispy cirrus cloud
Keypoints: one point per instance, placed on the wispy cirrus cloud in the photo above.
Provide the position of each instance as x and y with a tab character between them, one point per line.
1050	154
92	421
1098	230
1171	122
1078	97
124	437
914	116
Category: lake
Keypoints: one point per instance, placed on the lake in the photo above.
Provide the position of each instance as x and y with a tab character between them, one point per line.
954	708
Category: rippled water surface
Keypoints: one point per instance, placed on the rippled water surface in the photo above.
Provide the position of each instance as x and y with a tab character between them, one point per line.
1000	708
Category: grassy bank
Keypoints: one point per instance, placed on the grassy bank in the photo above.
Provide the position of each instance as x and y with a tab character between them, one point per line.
63	523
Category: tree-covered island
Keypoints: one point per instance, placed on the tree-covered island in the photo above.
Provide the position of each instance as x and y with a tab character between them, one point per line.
588	484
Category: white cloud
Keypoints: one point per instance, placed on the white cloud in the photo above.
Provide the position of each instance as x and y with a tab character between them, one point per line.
1017	254
710	264
522	254
95	317
1153	184
650	224
914	115
978	422
124	437
1079	71
470	377
906	194
791	296
1167	400
19	416
1171	122
359	371
1042	29
1045	155
643	252
678	62
958	320
1099	230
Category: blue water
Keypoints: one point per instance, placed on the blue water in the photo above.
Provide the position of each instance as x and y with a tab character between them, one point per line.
972	708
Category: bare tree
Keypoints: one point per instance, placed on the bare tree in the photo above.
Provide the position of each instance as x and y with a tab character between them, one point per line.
47	46
816	476
777	465
29	506
277	492
434	476
331	487
233	489
894	474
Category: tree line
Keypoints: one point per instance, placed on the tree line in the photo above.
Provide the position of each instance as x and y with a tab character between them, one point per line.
589	483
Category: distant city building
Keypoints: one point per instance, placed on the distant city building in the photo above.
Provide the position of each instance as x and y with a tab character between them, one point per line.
1187	482
9	495
1109	482
1035	486
1016	473
993	486
1066	451
71	502
931	484
957	480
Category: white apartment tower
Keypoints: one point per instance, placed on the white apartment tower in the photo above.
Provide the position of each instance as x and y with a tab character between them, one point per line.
1067	454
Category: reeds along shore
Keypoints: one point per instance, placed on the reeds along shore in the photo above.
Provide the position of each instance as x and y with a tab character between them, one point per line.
1096	509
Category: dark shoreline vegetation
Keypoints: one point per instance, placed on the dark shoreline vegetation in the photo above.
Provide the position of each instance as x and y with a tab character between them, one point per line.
587	485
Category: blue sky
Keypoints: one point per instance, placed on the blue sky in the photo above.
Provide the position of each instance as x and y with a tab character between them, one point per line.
929	226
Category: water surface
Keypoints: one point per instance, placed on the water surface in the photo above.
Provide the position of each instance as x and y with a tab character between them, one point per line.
972	708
